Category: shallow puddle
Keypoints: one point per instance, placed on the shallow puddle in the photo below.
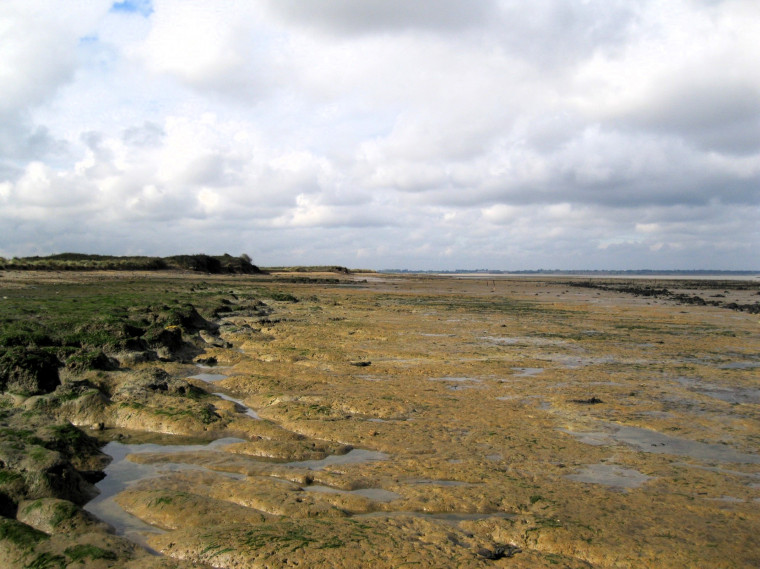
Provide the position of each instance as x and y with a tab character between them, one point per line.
353	456
727	394
247	410
740	365
371	377
727	499
452	518
209	376
120	473
526	371
525	340
647	440
726	471
610	475
431	482
376	494
460	383
575	362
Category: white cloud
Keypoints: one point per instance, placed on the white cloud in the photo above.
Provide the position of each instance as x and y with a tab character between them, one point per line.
38	48
425	134
376	16
211	47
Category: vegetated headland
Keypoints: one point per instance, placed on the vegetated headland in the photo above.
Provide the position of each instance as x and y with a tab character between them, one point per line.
318	417
199	263
213	264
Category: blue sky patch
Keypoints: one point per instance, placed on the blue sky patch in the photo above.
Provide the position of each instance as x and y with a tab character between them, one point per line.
144	7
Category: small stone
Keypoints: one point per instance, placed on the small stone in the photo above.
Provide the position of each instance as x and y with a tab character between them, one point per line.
486	553
499	552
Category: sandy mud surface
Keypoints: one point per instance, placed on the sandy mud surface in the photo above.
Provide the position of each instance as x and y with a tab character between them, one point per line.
441	422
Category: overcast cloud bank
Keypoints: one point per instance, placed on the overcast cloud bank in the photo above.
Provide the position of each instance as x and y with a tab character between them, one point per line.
581	134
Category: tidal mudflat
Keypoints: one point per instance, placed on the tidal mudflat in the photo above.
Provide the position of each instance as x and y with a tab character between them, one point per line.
408	420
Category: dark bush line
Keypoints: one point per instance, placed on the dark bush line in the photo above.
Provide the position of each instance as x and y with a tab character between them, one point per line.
219	264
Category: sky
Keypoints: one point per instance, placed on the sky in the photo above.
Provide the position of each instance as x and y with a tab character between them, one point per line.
406	134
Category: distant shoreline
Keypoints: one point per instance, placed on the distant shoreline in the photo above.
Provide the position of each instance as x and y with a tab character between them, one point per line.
632	274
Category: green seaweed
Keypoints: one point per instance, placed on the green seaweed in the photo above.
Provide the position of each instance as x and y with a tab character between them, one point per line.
61	512
47	561
82	552
23	536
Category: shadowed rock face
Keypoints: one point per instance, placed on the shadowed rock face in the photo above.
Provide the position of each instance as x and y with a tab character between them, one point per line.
28	371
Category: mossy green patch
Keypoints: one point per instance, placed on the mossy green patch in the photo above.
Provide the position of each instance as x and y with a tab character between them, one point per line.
47	561
79	553
282	296
21	535
285	535
61	512
8	476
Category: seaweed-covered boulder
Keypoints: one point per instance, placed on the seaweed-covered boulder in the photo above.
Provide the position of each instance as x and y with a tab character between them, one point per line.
41	458
188	318
169	337
53	515
152	400
28	371
84	360
76	401
146	383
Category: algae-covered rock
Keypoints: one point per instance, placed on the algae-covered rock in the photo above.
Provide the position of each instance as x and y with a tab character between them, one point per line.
145	383
53	515
24	547
28	371
76	400
168	338
188	318
18	541
84	359
42	458
152	400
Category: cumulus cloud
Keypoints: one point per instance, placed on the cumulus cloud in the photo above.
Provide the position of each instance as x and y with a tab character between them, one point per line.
210	47
374	16
38	55
430	134
38	48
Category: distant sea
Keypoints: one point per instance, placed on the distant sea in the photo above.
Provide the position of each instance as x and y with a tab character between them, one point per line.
628	274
